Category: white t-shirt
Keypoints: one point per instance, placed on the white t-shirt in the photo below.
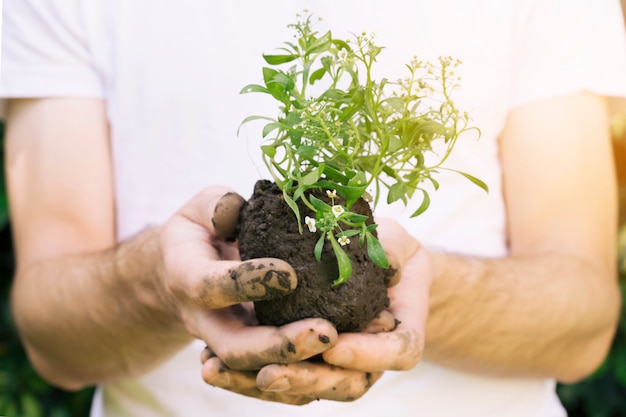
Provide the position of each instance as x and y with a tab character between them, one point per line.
171	73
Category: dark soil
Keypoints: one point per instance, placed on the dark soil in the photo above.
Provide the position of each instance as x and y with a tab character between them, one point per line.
268	228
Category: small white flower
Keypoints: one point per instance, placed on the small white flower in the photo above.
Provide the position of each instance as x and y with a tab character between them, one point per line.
331	193
342	55
338	210
343	240
314	107
310	224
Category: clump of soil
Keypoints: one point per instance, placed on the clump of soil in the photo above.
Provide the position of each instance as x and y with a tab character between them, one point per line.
268	228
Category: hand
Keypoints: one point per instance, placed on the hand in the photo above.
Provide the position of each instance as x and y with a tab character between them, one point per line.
359	359
402	348
207	284
201	263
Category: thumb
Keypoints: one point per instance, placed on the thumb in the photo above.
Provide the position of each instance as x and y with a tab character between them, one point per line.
233	282
399	246
193	259
226	216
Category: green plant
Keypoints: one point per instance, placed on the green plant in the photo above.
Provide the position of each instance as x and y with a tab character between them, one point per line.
341	130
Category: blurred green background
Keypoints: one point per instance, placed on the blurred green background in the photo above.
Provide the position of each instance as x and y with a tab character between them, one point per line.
24	394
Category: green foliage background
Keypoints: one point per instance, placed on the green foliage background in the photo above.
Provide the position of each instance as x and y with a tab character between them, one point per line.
24	394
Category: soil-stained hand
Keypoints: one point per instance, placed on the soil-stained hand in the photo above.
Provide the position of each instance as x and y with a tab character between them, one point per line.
395	339
201	262
209	284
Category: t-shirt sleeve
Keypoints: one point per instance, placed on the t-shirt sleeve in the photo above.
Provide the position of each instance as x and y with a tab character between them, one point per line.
45	51
568	46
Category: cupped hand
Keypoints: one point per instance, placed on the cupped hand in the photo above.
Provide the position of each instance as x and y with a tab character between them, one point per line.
401	348
209	286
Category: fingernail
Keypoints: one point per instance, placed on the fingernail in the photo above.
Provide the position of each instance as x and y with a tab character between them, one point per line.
224	377
217	377
340	356
280	385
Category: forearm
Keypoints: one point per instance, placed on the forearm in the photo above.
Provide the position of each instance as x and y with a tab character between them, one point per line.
99	316
551	315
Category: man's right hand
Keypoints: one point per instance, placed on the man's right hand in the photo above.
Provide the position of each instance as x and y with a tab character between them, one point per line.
208	284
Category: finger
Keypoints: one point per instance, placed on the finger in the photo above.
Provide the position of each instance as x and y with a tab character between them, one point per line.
217	374
399	350
246	348
216	209
226	216
210	283
383	322
206	355
316	380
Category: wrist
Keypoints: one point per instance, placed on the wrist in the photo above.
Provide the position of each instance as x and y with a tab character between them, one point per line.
140	270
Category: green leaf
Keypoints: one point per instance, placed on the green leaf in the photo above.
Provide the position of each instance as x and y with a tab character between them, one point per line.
348	233
268	74
308	152
294	207
355	217
279	59
322	44
434	182
341	44
343	262
292	119
397	192
335	94
283	80
269	150
358	179
319	246
394	143
317	75
319	205
278	84
299	192
356	104
253	118
425	203
375	251
269	128
475	180
351	194
253	88
310	178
